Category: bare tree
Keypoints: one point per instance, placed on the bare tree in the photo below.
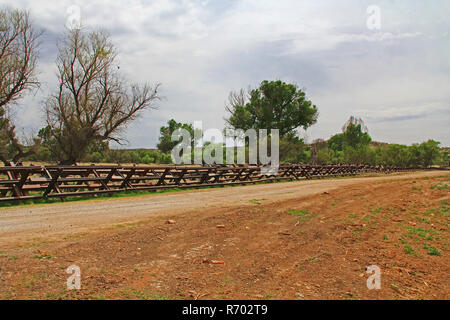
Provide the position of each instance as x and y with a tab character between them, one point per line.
236	98
92	103
19	42
355	121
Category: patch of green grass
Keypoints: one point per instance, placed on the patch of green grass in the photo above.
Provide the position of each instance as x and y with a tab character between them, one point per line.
395	287
352	215
445	209
432	251
409	250
440	186
385	237
368	217
42	256
358	230
26	282
56	295
302	215
75	236
12	258
425	220
129	225
147	295
298	212
425	234
377	210
124	293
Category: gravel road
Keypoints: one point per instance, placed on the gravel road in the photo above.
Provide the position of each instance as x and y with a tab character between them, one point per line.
21	224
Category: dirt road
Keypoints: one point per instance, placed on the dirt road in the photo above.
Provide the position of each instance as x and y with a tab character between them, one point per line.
54	220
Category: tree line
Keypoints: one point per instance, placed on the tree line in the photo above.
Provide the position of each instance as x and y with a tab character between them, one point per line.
354	145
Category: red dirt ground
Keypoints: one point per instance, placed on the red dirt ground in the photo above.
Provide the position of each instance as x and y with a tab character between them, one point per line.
311	247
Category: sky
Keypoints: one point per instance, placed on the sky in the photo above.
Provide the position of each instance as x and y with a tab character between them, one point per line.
395	77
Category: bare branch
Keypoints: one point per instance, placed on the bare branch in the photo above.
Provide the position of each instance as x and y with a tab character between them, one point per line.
19	44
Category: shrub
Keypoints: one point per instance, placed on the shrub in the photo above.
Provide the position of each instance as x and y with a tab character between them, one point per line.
165	158
96	157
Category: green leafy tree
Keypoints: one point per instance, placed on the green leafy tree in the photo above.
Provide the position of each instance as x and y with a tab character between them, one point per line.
445	159
274	105
336	141
396	155
416	155
324	156
329	156
165	158
361	154
293	150
95	157
354	136
97	147
134	157
430	152
166	144
147	159
350	146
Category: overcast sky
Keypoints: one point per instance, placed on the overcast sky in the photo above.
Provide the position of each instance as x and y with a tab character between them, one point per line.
396	78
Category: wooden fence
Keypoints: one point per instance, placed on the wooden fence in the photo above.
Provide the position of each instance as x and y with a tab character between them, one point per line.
35	182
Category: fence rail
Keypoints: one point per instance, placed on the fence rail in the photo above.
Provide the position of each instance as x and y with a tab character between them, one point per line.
35	182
